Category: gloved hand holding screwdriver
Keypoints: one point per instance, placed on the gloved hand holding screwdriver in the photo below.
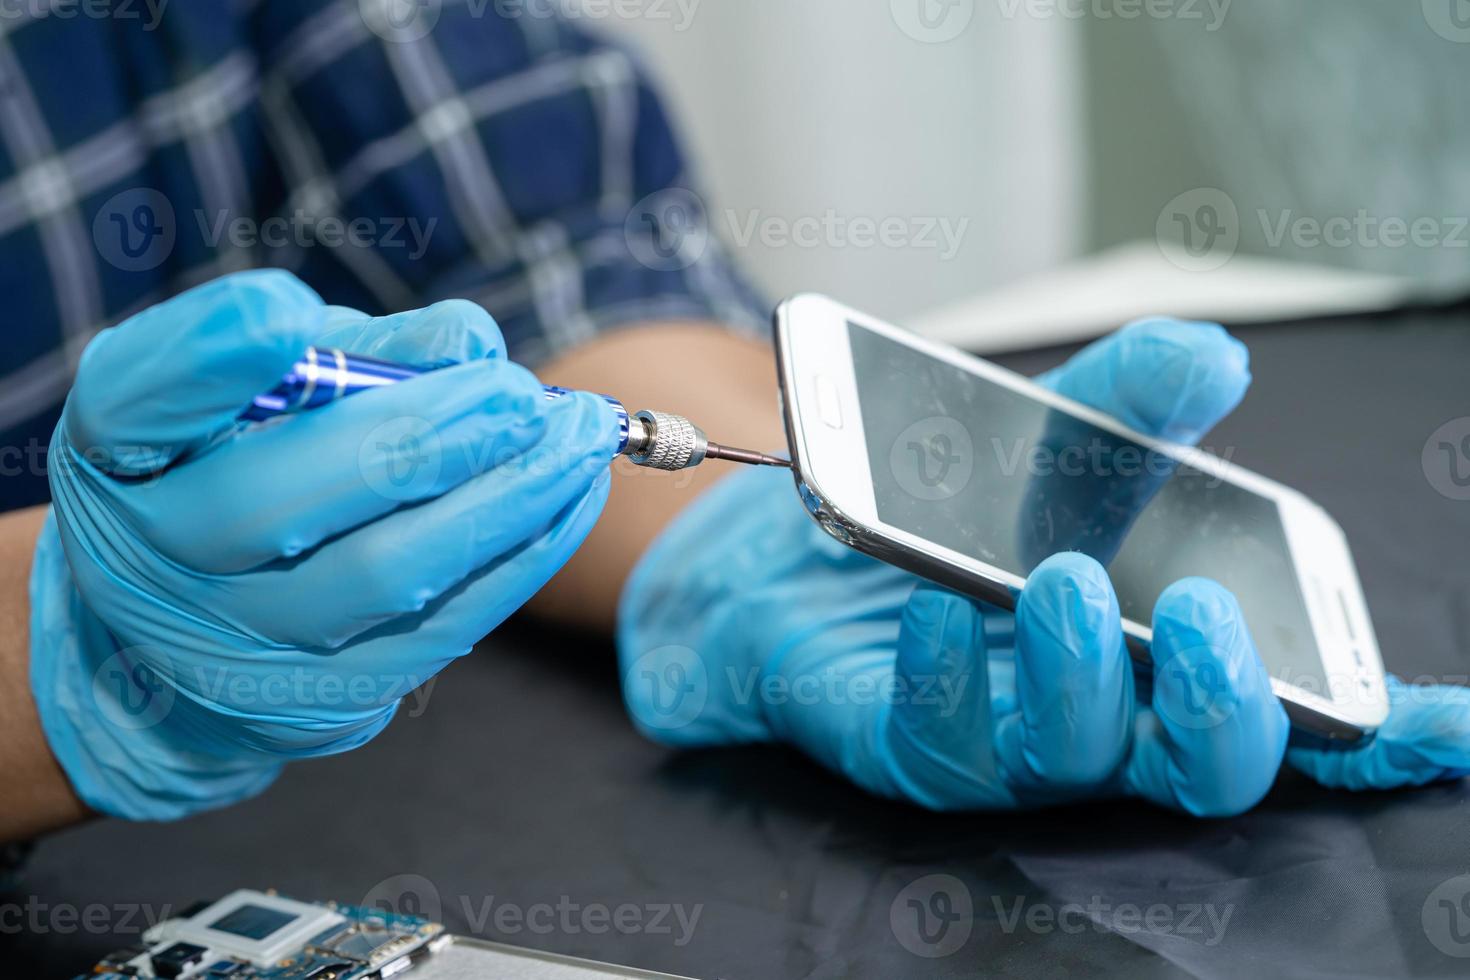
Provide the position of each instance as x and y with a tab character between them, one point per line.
227	601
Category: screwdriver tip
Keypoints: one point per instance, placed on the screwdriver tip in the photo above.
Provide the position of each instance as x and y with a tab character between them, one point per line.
747	456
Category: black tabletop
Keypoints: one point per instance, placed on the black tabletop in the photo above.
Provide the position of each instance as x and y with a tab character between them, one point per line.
522	786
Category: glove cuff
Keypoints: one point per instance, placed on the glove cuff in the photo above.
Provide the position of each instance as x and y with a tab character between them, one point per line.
107	715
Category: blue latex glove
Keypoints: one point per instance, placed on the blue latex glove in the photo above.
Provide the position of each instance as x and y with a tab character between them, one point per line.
208	603
1425	740
747	623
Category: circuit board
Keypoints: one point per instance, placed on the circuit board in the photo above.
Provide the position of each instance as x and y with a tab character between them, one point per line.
250	935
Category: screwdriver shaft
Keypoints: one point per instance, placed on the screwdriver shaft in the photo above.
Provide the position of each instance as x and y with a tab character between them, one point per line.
748	456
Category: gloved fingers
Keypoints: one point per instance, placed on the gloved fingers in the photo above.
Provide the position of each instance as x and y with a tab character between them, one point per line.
938	746
165	382
398	564
450	332
905	717
701	610
341	701
1166	378
412	650
282	489
1425	739
1216	735
1074	681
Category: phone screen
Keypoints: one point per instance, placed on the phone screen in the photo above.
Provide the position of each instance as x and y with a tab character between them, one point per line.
988	472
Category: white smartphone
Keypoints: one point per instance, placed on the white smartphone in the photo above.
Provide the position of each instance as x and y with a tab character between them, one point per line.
970	475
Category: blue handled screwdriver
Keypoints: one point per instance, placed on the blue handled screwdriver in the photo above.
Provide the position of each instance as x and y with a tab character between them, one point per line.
657	440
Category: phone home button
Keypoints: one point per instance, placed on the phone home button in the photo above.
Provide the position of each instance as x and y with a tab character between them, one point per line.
829	403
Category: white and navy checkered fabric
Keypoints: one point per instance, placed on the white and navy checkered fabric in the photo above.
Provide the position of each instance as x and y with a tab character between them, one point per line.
390	152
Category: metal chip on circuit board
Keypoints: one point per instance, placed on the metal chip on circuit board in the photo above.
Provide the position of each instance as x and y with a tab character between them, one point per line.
374	941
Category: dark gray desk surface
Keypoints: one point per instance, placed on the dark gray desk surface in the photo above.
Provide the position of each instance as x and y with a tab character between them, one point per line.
524	781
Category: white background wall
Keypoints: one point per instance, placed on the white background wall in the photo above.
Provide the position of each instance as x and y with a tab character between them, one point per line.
1047	128
794	108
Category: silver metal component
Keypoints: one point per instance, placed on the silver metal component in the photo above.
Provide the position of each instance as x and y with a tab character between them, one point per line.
669	442
341	359
640	437
747	456
313	373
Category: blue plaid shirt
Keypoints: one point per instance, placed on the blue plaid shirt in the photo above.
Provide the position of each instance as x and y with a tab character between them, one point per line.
390	152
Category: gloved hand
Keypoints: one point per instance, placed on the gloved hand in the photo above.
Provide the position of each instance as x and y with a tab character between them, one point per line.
746	623
1425	740
208	602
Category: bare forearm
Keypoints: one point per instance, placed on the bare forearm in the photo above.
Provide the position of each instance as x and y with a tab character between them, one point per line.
725	383
36	794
